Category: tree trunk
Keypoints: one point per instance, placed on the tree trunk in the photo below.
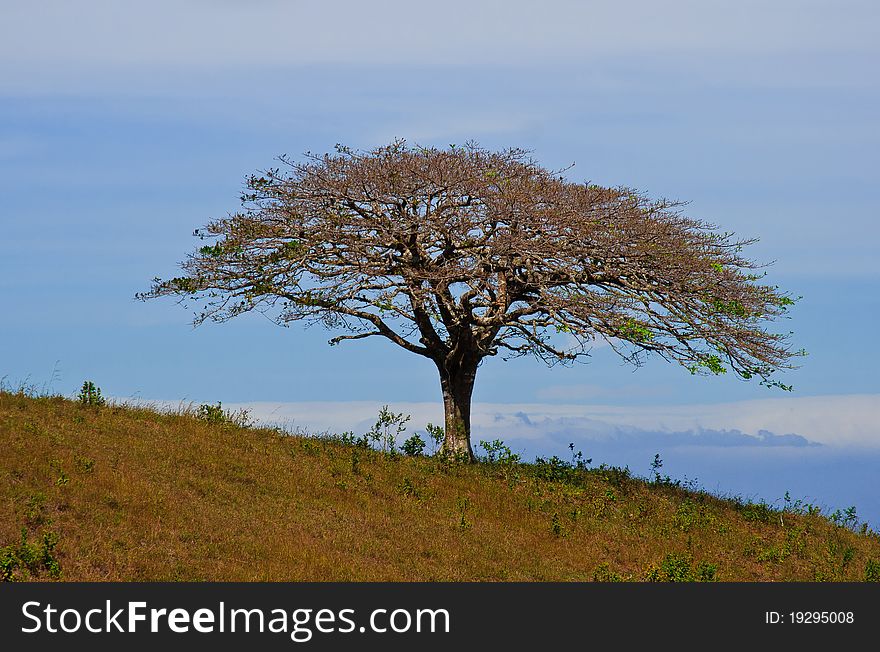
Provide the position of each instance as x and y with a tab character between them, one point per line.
458	386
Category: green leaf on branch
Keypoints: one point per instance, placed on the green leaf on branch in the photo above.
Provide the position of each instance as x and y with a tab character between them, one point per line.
711	363
732	308
212	251
636	331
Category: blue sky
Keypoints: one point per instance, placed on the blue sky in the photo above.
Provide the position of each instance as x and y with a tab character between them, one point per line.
124	126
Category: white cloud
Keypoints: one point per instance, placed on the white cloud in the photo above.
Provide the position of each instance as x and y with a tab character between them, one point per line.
832	420
588	391
845	420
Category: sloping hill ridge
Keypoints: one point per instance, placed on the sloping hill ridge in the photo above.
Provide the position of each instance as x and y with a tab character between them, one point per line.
119	492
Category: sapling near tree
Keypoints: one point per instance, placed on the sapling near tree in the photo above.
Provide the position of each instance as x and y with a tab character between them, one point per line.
461	253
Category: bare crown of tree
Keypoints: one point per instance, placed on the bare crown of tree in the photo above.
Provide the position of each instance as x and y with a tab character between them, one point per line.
461	253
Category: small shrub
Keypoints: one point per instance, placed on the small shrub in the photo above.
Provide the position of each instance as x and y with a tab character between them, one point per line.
25	560
413	446
388	427
690	515
212	413
872	571
776	554
677	567
846	518
215	414
556	469
799	506
90	395
347	438
706	572
408	488
656	465
662	480
501	460
436	434
578	460
614	475
758	512
603	573
498	453
62	478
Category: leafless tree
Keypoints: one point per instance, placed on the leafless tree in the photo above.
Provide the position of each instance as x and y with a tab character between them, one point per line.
461	253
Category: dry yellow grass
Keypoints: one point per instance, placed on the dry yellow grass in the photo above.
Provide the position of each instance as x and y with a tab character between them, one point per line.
134	494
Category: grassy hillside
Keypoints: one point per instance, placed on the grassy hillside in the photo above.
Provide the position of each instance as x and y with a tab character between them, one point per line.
123	493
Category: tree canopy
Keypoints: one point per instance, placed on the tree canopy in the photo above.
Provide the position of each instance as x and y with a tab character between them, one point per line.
461	253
